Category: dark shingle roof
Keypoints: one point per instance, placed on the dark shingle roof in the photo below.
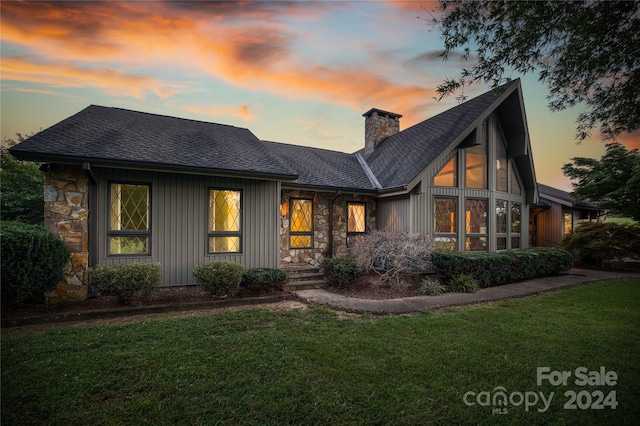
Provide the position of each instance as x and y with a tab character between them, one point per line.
401	157
119	136
548	192
321	167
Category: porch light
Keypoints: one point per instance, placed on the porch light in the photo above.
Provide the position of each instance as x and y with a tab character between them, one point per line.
284	209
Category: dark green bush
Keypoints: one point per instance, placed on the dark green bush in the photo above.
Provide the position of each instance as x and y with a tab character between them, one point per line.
219	278
492	269
341	270
32	262
125	281
264	278
596	243
463	283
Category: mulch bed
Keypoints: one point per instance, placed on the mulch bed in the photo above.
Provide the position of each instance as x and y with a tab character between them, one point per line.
368	287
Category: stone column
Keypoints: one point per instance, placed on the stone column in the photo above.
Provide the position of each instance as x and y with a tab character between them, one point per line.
66	217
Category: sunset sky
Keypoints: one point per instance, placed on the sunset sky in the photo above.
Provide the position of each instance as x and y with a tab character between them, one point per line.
295	72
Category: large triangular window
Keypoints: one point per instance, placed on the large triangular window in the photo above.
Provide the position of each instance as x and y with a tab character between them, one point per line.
448	175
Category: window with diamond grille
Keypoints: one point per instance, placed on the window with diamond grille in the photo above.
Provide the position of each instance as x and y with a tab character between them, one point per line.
129	230
476	225
516	226
446	228
501	224
356	218
301	230
225	221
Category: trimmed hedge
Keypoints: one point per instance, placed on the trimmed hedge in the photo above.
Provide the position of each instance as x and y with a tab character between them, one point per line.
126	281
264	278
341	270
219	278
493	269
32	262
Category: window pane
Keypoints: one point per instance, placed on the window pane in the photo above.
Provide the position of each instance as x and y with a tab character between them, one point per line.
300	241
476	244
515	185
515	218
128	245
224	244
446	215
356	218
301	215
448	175
568	223
501	243
501	217
224	210
476	163
476	211
129	207
515	242
446	243
501	167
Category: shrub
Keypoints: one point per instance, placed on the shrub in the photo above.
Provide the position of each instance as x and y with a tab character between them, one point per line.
126	281
219	278
264	278
463	283
394	254
491	269
432	287
341	271
32	262
596	243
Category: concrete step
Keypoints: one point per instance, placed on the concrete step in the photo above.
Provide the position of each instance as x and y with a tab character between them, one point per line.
304	278
304	285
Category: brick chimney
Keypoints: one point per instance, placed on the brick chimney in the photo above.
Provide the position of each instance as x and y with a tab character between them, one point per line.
378	125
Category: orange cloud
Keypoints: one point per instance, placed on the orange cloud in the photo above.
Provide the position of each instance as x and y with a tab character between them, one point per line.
69	75
242	111
218	39
630	140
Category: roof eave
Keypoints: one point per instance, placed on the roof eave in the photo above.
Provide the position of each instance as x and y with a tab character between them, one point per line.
151	166
328	188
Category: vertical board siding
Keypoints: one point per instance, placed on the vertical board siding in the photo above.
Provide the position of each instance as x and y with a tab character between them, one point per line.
179	222
393	214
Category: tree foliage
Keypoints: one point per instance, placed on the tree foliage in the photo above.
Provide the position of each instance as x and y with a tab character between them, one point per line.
613	182
21	193
585	51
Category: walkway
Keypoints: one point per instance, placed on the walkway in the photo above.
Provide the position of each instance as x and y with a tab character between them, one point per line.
420	303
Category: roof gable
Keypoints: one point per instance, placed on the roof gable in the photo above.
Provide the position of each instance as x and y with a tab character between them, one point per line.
398	159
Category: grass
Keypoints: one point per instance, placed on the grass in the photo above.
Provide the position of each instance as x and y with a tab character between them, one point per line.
317	367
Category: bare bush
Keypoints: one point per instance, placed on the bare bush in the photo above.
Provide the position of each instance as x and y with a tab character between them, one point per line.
393	254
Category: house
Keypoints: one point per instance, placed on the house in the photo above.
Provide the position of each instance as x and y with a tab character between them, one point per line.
124	186
557	214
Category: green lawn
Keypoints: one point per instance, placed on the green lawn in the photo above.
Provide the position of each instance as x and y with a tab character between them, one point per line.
317	367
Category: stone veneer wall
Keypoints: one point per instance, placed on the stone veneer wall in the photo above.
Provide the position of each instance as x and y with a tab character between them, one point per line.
321	233
379	125
66	217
